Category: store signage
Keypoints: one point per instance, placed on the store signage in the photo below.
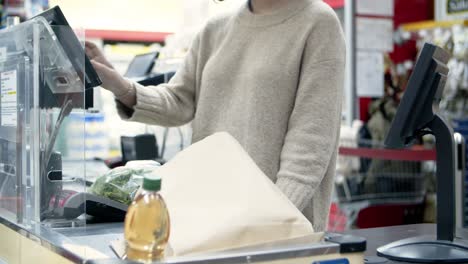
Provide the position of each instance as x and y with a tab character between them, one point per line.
457	6
451	9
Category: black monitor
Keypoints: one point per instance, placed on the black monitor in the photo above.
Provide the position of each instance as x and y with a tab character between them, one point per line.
421	97
141	65
75	53
417	115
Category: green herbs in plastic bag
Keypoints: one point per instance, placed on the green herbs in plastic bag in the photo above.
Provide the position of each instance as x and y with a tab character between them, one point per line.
121	184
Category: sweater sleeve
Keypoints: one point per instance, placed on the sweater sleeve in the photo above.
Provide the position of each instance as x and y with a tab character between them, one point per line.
314	123
170	104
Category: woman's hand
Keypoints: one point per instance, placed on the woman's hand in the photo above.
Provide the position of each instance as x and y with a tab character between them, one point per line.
111	79
95	54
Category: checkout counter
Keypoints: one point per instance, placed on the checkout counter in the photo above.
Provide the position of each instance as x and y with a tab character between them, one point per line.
46	214
90	244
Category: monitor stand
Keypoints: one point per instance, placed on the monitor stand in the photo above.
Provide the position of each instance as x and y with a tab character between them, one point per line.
443	248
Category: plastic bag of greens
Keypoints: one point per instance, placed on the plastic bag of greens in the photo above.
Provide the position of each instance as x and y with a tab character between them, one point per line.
121	184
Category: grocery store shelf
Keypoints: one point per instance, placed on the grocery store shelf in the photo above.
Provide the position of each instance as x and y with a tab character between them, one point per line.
121	35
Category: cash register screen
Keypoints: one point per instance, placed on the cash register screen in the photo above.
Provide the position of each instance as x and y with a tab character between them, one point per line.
74	50
141	65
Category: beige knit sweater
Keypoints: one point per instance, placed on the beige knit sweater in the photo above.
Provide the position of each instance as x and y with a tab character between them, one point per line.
272	81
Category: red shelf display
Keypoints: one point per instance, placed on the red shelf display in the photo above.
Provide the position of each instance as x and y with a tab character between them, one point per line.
121	35
335	3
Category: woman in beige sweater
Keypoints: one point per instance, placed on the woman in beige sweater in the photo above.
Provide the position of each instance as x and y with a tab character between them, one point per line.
271	75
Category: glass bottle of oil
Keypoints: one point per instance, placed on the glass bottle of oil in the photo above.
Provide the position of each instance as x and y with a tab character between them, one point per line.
147	224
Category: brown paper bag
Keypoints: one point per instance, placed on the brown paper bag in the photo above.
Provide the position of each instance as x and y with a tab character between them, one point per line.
219	199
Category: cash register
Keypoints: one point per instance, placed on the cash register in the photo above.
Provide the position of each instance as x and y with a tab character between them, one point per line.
141	67
45	76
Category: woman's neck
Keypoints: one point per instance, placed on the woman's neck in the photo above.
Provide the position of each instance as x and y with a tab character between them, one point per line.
266	6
